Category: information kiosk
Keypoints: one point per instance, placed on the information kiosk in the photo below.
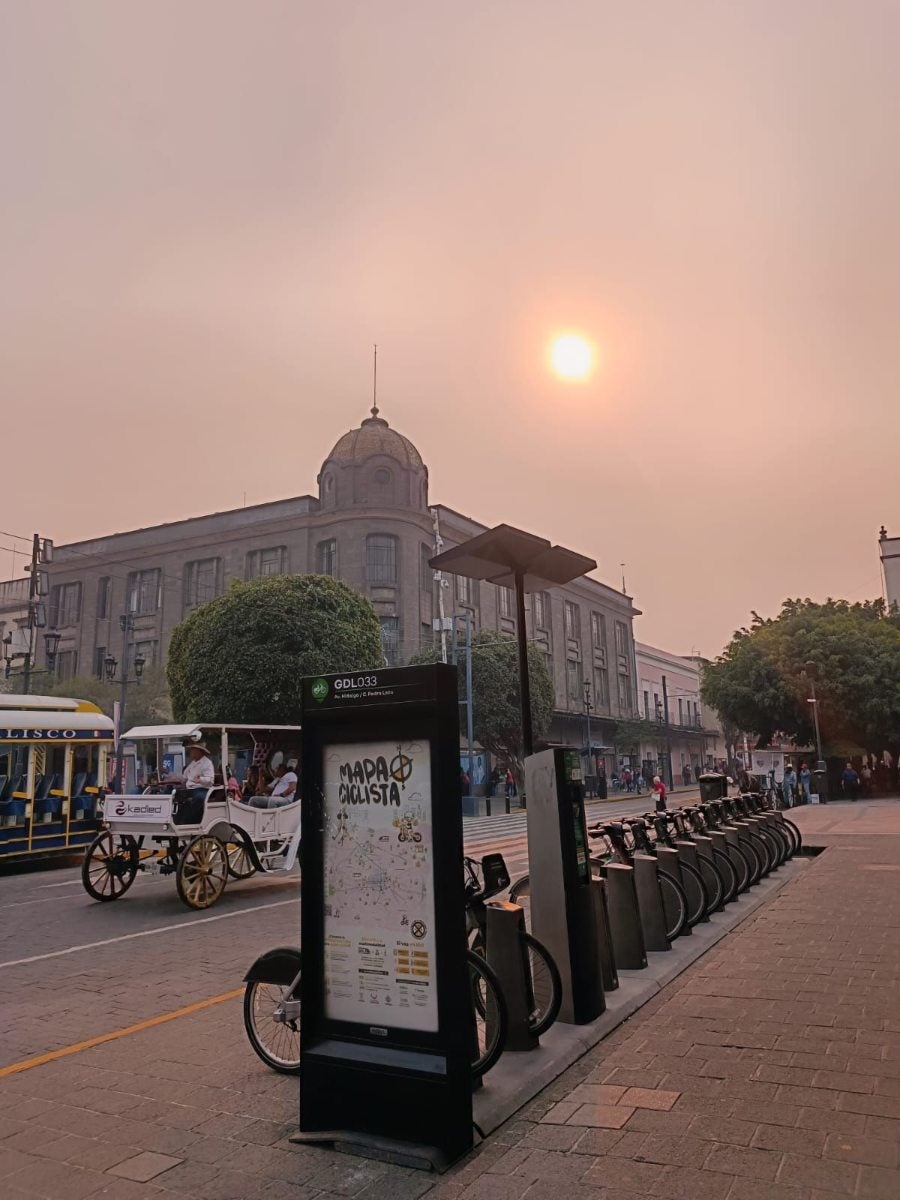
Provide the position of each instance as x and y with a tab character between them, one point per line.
388	1022
565	913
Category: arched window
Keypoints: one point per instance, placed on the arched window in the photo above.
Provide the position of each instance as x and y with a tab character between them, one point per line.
381	558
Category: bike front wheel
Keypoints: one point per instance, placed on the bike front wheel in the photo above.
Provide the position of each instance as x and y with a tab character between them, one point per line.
275	1041
490	1012
675	905
542	979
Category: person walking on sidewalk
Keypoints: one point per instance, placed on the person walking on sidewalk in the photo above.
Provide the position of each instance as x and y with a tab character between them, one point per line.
789	786
850	782
805	784
659	791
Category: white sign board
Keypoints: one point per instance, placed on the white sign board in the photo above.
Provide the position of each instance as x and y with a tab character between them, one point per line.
379	885
137	808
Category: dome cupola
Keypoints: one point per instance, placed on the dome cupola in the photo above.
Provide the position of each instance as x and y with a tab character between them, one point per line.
375	466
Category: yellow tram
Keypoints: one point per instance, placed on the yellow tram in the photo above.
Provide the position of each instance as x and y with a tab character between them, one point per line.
53	763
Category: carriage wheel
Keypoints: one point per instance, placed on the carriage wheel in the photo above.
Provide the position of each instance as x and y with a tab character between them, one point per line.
110	865
240	864
202	872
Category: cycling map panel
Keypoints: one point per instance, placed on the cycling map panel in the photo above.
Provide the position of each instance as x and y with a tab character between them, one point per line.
379	885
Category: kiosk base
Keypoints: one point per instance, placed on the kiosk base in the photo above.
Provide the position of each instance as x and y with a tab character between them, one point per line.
382	1149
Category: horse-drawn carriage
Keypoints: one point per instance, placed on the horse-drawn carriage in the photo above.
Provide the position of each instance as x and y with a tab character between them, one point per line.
202	837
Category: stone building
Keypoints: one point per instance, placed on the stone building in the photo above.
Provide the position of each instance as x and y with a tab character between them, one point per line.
370	525
686	729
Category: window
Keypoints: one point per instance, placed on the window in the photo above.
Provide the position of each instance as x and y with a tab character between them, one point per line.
574	687
680	711
262	564
540	607
103	596
143	591
427	637
601	688
505	600
572	620
657	707
66	664
465	590
626	700
381	558
598	630
326	557
622	639
65	606
646	706
548	660
99	656
390	640
202	581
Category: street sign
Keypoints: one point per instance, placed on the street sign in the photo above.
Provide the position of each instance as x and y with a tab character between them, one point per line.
387	1031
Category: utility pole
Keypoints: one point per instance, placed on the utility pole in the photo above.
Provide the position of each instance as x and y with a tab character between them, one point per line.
670	782
126	621
469	716
41	552
587	712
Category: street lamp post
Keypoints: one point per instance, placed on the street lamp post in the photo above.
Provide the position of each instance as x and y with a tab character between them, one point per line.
587	713
811	670
126	624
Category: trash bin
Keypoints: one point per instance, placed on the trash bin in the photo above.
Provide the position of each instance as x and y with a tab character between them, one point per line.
713	786
602	788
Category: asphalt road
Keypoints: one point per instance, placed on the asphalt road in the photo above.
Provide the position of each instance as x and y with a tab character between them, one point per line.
72	969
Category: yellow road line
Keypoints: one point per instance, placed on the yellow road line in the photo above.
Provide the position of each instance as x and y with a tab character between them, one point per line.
27	1063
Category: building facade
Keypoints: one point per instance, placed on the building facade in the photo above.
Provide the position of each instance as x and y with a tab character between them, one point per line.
679	732
372	526
889	550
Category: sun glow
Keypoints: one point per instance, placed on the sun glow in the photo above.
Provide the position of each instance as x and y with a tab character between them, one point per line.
572	356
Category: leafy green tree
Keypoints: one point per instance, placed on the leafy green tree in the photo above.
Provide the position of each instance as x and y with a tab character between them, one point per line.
147	702
496	703
761	681
242	656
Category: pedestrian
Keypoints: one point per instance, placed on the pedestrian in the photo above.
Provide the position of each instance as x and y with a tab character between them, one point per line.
659	791
805	784
464	781
866	778
686	775
789	785
627	779
850	782
510	784
493	782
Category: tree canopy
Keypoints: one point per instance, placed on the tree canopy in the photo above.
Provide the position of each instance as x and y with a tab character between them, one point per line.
242	656
496	705
761	682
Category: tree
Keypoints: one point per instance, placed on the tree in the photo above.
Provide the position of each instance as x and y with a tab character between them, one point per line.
761	683
147	702
242	656
496	703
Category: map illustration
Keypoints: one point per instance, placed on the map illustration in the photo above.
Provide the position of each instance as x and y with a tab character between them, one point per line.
379	901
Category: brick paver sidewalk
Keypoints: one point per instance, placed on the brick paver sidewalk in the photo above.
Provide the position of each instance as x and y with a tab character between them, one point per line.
770	1070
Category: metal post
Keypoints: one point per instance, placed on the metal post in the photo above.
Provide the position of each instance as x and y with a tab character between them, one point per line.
469	714
670	782
126	622
524	681
587	712
33	584
815	708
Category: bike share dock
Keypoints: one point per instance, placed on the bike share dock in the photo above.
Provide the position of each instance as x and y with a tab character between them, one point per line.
518	1078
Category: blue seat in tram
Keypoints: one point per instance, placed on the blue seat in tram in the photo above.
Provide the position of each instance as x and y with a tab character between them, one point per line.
11	804
45	804
84	800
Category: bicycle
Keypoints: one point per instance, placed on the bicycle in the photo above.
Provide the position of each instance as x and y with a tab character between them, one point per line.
700	898
675	904
541	972
272	1010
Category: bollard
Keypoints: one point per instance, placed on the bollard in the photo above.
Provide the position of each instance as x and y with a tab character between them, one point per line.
604	936
650	904
507	953
624	921
704	847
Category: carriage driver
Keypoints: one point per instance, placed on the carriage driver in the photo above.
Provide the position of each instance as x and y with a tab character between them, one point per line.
199	774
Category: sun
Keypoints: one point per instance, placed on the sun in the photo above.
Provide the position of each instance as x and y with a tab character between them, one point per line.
572	356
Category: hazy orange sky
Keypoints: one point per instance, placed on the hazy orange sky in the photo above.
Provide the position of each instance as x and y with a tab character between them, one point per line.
209	211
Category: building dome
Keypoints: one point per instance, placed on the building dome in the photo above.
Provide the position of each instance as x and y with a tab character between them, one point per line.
375	466
375	436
